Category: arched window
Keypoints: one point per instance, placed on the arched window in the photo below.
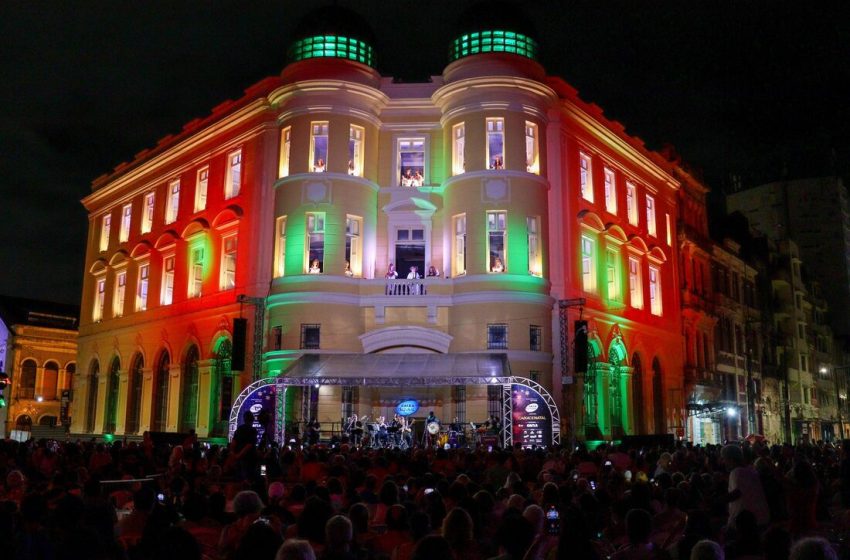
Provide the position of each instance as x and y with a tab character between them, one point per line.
91	398
26	387
616	360
23	423
591	393
47	420
221	391
189	391
109	418
70	370
134	394
637	393
160	402
658	397
49	380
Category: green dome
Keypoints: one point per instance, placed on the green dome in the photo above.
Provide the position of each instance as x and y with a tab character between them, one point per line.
494	27
333	32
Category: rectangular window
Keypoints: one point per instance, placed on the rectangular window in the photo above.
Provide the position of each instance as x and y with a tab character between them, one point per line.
310	336
610	190
532	150
280	247
201	189
142	287
167	280
635	285
535	338
631	203
535	260
355	150
669	229
118	296
105	224
496	240
655	306
233	183
147	212
411	162
285	149
650	216
173	201
585	180
228	263
99	298
458	135
196	271
353	246
588	273
315	242
126	218
496	143
497	336
460	245
612	267
318	146
277	338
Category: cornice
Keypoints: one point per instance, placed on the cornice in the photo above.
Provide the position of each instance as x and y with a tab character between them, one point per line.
513	84
342	88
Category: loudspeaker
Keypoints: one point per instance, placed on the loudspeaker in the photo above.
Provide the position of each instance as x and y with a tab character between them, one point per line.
580	347
240	335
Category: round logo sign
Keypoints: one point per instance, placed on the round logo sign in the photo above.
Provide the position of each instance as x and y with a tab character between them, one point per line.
256	408
406	408
531	407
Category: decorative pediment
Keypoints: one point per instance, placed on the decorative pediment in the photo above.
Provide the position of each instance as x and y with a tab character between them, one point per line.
591	220
98	267
639	244
227	217
195	227
415	205
657	254
167	239
119	258
142	249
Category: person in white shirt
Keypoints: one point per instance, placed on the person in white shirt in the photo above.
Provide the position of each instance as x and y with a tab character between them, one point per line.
320	166
315	267
391	275
745	489
414	275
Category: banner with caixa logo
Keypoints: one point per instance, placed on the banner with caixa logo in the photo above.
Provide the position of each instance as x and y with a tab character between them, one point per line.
261	402
530	417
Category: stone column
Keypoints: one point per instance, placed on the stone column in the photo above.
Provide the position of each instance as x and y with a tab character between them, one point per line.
78	404
39	384
100	415
603	398
175	376
627	392
205	398
146	404
123	394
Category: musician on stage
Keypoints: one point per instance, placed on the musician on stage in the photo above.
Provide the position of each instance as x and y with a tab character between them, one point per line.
313	432
431	438
407	431
382	431
394	430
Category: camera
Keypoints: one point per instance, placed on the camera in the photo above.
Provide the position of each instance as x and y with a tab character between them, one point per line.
428	491
553	521
161	497
262	470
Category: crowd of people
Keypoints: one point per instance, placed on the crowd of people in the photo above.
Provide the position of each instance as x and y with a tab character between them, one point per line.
143	500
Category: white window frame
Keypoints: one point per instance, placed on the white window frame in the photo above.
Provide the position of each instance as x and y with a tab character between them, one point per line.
656	305
143	286
280	247
399	168
635	282
354	245
631	203
497	225
612	274
356	146
458	145
202	181
651	226
459	253
119	293
233	181
147	212
532	148
585	179
172	209
319	129
195	286
126	220
99	298
668	223
588	264
285	152
167	289
105	226
610	190
495	127
229	260
535	255
315	224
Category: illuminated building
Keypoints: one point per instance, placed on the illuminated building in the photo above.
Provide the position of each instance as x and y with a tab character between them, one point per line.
517	192
38	349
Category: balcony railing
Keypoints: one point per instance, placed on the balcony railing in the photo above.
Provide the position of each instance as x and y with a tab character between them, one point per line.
404	287
26	392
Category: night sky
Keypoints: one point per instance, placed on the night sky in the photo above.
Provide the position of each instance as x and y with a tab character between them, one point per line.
753	89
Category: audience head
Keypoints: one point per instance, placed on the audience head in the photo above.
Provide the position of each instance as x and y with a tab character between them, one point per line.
813	548
247	502
707	550
432	547
295	549
638	526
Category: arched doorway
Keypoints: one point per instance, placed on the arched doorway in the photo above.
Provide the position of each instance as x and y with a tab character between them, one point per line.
658	397
159	414
47	420
91	400
189	391
134	394
616	390
111	413
49	380
23	423
637	393
26	387
592	429
221	390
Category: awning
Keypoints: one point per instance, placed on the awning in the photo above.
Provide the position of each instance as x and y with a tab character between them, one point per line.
398	369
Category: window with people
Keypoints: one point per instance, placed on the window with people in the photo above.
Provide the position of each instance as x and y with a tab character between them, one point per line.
318	146
496	240
496	143
315	242
411	162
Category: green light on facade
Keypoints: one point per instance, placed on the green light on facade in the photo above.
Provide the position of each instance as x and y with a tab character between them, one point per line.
480	42
321	46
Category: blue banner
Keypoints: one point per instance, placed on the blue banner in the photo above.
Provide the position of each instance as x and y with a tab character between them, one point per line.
262	404
531	419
